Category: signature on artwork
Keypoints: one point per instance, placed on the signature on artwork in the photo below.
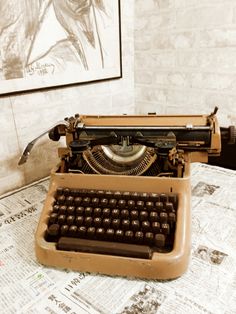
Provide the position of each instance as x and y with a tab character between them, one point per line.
40	69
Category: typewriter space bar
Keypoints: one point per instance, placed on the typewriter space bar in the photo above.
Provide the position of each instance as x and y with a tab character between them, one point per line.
104	247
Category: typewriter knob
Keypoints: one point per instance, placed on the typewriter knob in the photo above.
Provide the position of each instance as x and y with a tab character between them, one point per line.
54	134
232	135
79	146
228	135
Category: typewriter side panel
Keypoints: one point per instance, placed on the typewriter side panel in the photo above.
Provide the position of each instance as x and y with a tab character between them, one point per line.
161	266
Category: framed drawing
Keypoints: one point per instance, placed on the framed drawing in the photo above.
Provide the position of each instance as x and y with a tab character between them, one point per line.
48	43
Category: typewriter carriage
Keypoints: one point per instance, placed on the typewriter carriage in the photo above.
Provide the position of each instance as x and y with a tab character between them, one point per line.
136	145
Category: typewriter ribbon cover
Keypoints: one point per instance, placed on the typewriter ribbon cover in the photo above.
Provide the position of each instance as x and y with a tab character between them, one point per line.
119	200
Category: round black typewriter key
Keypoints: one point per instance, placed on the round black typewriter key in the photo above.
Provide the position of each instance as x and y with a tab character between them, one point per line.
119	235
70	220
153	216
135	196
117	195
131	204
61	199
81	231
134	214
64	229
104	202
149	237
156	227
115	213
55	208
169	207
91	232
74	192
88	211
112	203
106	222
83	192
100	193
139	236
106	212
53	231
79	220
163	198
126	195
70	210
135	225
100	232
115	223
53	218
165	228
97	221
86	201
77	200
171	217
149	205
88	221
72	230
66	191
61	219
163	217
154	197
62	209
97	212
159	206
125	224
108	194
159	240
110	234
144	196
69	200
129	235
173	198
121	203
146	226
143	215
124	213
92	193
95	201
79	210
59	191
140	205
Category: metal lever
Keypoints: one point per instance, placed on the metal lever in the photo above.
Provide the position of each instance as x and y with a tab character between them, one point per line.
29	147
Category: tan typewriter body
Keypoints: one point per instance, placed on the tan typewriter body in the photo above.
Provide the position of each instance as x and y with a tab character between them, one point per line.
161	265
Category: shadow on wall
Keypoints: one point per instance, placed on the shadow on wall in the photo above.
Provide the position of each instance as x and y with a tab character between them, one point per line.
42	159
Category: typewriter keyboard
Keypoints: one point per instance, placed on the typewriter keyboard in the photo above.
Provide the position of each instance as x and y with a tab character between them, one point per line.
112	222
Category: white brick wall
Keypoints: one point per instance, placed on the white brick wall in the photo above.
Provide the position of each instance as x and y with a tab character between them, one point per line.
185	62
185	57
24	116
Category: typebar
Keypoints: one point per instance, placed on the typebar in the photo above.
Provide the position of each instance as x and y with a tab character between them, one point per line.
104	247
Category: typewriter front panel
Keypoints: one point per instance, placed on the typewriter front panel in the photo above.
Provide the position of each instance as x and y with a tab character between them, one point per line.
161	265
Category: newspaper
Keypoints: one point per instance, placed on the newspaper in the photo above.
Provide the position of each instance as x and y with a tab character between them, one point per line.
209	285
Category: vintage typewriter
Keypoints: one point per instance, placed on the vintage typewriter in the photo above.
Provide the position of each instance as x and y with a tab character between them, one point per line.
119	200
